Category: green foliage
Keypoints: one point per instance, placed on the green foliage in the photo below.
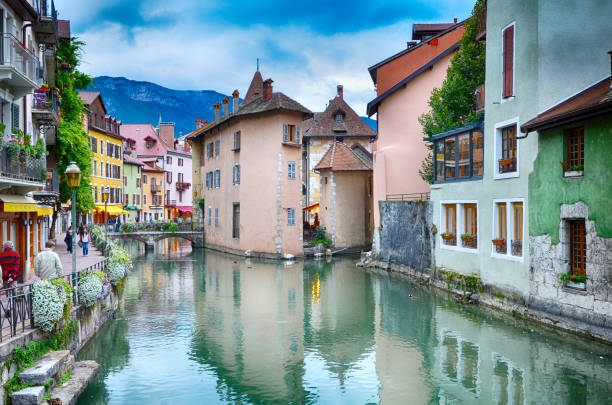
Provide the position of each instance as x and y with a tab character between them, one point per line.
65	378
201	203
574	278
169	227
72	140
454	104
320	237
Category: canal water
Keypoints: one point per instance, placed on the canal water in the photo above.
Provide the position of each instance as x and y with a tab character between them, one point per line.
210	328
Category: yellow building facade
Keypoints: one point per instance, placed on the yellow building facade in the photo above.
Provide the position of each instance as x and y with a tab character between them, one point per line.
107	163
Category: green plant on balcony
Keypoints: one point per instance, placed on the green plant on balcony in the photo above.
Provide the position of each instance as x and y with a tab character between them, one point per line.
467	237
447	235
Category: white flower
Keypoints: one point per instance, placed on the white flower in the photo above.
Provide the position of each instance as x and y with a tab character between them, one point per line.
48	303
90	289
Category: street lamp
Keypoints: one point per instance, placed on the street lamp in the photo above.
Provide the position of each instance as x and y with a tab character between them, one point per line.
105	194
73	178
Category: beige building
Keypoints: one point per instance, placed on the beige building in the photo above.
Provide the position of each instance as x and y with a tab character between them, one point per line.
247	168
346	195
339	122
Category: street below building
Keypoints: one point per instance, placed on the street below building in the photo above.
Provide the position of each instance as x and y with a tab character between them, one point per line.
207	327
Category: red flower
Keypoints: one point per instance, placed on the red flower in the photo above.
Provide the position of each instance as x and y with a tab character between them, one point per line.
573	276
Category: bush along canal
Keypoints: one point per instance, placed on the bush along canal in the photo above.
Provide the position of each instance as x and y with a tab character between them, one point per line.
206	327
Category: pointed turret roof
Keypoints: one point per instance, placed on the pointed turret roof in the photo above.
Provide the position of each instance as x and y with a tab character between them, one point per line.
255	90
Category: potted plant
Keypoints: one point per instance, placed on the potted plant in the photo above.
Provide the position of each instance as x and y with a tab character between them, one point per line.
448	235
467	237
571	171
505	162
573	280
498	241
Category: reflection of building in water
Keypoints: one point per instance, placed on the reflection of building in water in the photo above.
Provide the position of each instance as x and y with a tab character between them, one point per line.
249	327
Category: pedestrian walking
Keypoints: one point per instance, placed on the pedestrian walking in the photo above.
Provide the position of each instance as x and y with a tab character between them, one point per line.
47	263
10	262
80	231
68	239
85	241
117	224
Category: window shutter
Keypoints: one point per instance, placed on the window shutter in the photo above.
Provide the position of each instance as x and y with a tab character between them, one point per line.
285	133
238	173
297	134
508	62
15	116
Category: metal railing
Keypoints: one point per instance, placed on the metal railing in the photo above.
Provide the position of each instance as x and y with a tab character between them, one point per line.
21	166
517	247
155	188
46	8
16	302
46	100
170	203
182	186
507	165
15	54
156	227
408	197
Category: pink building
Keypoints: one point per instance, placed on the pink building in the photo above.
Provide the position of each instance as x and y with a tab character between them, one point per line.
247	171
404	84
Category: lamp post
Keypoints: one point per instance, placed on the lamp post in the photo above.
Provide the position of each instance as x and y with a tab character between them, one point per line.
105	194
73	178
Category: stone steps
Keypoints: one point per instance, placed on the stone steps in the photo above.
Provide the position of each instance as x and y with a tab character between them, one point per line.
50	368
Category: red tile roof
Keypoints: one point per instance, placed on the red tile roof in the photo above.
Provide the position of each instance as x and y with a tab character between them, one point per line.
63	29
324	123
339	157
594	100
88	97
139	132
132	160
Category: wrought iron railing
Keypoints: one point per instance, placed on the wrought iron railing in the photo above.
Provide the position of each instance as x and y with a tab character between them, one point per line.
502	249
16	302
450	241
182	186
471	243
507	165
46	100
408	197
19	165
517	247
15	54
158	227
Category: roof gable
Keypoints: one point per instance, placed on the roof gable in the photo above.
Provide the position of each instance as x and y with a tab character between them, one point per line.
325	123
339	157
140	133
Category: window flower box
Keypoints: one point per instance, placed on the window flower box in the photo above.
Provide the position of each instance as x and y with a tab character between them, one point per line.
505	162
575	281
573	173
447	236
467	237
498	242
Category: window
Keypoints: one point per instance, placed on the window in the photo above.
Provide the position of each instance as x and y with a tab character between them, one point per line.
458	155
125	180
236	140
508	228
517	242
95	193
169	177
449	236
291	170
508	62
217	147
216	216
101	147
180	194
209	150
291	133
459	219
167	197
108	171
168	160
137	182
507	163
290	216
144	199
208	179
127	199
339	117
95	168
577	247
149	143
575	149
468	239
209	215
236	220
144	179
180	162
217	178
501	237
236	175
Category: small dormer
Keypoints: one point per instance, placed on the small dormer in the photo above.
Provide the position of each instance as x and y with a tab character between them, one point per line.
338	115
150	141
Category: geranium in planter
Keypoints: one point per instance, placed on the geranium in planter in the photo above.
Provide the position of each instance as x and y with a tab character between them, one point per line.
498	241
467	237
447	235
566	278
90	288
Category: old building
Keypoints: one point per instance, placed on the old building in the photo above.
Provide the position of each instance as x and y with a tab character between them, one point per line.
106	144
339	122
404	83
132	176
346	196
247	168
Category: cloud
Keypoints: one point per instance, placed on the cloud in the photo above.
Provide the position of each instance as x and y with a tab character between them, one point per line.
211	48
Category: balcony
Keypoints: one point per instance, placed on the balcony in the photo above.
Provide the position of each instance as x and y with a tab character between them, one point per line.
46	29
22	170
155	188
45	109
48	194
50	75
19	67
182	186
170	203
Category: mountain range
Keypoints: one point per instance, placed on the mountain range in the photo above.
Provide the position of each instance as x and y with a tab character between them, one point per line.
139	102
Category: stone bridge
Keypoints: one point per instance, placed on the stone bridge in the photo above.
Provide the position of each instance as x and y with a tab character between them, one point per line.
150	237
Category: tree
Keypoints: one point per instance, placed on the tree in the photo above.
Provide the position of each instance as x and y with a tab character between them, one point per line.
454	104
72	140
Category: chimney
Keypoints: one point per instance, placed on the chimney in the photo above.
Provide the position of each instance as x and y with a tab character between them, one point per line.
197	123
235	101
217	111
166	132
455	20
225	106
202	123
267	89
340	91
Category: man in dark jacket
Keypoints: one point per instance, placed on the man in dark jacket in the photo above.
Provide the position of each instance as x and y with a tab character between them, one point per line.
10	262
68	239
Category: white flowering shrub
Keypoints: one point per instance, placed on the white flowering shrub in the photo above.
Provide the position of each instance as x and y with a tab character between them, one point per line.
48	301
90	289
116	271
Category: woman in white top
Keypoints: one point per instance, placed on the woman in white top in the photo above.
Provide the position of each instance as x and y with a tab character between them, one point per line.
85	241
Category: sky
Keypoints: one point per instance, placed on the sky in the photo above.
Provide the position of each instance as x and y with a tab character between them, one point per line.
306	47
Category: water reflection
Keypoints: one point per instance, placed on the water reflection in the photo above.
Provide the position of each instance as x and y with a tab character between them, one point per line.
205	327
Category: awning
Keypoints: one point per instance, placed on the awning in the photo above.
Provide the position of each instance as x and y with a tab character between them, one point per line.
44	210
111	210
185	209
18	203
311	207
131	207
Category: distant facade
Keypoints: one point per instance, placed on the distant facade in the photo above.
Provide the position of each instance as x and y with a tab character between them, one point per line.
132	177
247	168
106	144
346	195
404	83
178	199
152	184
339	122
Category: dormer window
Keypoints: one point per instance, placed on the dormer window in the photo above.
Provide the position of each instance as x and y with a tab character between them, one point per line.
339	117
149	142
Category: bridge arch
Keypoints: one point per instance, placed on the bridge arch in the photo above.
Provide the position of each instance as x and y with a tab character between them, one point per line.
150	238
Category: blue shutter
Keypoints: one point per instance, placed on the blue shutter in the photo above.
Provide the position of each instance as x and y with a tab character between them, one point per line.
238	172
297	134
285	133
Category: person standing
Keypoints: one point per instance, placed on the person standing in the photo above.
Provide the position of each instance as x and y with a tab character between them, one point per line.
47	263
85	241
68	239
10	262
